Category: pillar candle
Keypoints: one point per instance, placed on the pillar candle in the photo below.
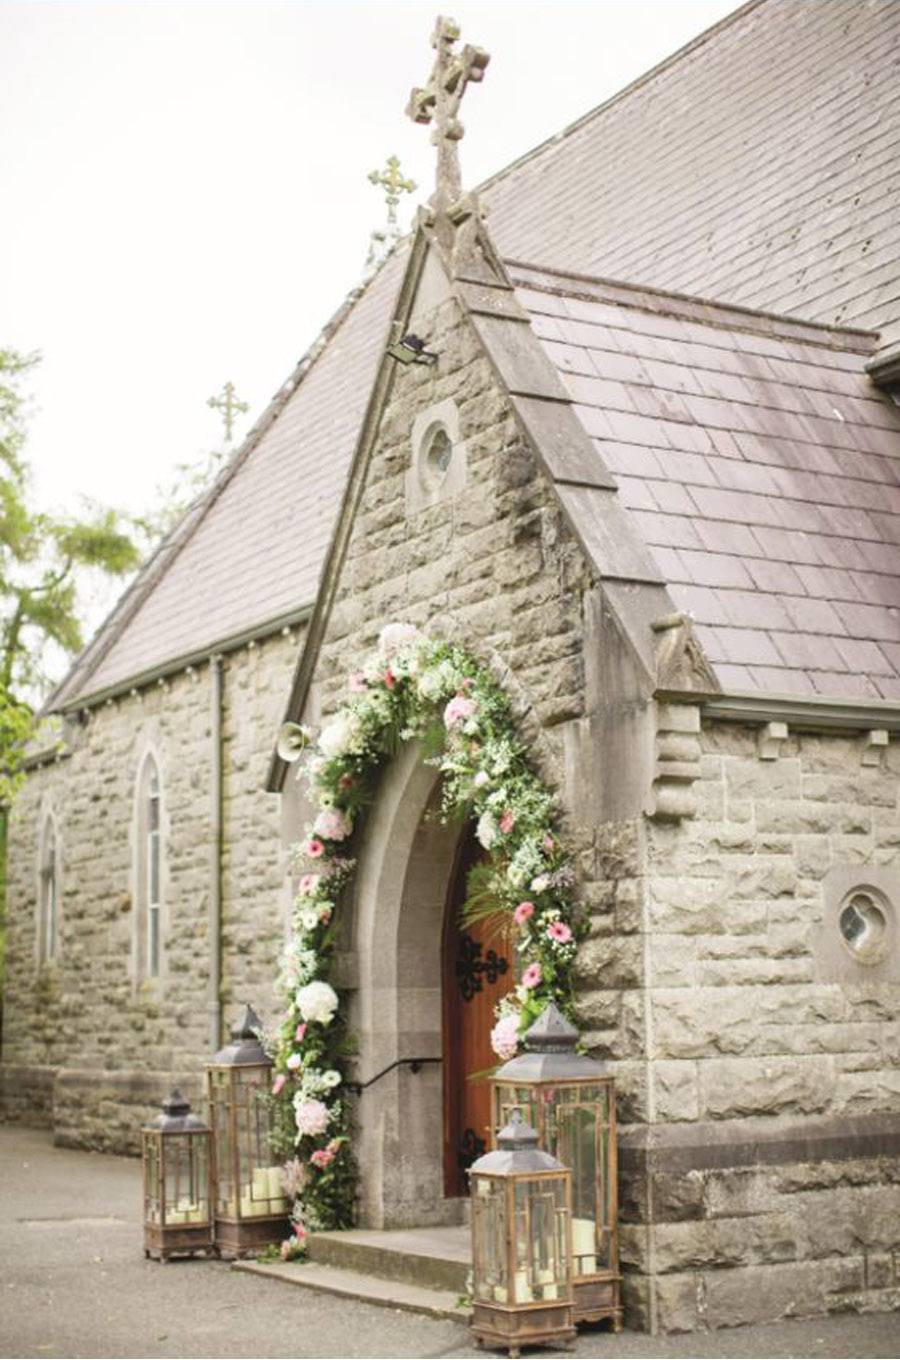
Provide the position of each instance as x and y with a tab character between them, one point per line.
276	1189
523	1293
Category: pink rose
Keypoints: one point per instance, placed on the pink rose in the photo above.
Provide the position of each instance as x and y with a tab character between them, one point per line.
507	821
389	678
532	975
299	1033
358	683
294	1062
321	1158
522	912
278	1084
314	848
560	932
459	710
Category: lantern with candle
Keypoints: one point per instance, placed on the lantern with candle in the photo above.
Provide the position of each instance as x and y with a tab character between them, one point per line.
177	1177
570	1100
251	1209
521	1243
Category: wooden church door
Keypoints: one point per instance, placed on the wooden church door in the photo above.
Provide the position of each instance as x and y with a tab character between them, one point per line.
478	971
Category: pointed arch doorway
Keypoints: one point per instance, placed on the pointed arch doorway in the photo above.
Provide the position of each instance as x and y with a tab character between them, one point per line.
477	972
411	968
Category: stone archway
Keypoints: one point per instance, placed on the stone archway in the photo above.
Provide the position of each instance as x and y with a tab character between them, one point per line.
406	863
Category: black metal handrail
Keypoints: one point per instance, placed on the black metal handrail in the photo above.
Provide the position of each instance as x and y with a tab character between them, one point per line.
415	1064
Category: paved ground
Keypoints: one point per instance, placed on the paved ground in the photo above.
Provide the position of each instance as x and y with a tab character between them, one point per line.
75	1283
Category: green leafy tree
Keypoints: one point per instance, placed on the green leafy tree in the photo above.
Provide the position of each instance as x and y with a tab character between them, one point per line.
43	560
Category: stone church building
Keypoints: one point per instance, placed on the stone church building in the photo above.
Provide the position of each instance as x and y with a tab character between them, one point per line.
652	479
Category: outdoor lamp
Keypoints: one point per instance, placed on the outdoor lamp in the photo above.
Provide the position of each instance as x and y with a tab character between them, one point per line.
570	1100
177	1176
410	349
521	1243
250	1206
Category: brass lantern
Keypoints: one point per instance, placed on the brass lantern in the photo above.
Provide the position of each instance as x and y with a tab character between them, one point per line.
521	1243
251	1209
177	1174
570	1100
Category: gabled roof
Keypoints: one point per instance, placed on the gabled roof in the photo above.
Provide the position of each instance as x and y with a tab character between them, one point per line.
759	165
760	466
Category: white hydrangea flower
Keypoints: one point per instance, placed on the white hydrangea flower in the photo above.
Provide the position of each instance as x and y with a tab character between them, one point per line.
486	830
338	738
317	1002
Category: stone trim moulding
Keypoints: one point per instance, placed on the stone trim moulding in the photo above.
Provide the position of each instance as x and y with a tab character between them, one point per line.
722	1145
676	762
800	713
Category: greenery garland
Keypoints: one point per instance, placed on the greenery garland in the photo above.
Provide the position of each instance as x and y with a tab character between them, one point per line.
411	688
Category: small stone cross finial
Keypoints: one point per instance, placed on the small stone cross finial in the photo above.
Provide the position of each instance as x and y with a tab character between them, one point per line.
394	184
229	406
439	103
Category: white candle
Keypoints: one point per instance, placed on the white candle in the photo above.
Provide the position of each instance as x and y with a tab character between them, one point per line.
584	1245
499	1293
523	1293
261	1183
276	1189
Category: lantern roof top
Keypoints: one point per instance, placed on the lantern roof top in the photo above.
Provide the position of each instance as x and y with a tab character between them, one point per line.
245	1049
516	1151
551	1054
176	1116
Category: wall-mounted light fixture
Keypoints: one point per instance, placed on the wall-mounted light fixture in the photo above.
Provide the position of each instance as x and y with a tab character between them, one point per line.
410	349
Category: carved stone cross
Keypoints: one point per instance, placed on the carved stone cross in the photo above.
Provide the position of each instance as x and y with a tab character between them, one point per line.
229	406
394	183
439	103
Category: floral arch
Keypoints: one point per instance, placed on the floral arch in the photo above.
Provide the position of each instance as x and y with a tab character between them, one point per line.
412	688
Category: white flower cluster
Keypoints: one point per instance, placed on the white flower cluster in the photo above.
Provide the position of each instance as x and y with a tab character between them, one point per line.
317	1003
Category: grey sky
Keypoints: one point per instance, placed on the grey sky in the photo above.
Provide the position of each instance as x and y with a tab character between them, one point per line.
186	197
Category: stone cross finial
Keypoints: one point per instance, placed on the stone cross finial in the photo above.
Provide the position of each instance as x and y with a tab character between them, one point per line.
439	103
229	406
394	184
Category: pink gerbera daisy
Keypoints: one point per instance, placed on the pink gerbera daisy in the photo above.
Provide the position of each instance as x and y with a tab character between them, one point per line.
315	848
522	912
560	932
532	975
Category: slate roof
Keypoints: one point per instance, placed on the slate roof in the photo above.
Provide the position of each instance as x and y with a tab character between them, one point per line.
759	165
760	466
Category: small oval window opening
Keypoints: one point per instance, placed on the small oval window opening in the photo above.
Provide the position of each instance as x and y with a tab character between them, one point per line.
863	926
438	454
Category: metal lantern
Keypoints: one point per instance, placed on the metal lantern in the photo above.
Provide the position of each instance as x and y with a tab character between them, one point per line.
177	1173
570	1100
521	1243
250	1205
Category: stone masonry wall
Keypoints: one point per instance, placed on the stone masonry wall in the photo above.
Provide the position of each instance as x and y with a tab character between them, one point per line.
496	567
109	1043
765	1069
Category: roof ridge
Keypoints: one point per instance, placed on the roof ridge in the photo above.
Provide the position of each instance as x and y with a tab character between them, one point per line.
684	306
145	582
643	79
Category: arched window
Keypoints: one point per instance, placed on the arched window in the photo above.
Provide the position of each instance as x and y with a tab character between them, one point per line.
48	893
148	872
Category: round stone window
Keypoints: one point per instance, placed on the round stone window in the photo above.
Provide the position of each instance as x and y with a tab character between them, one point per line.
863	927
437	455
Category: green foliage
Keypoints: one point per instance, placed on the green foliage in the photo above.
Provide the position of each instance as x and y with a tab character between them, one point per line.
42	559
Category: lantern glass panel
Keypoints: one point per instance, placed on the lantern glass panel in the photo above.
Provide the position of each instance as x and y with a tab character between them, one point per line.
151	1163
489	1222
573	1122
186	1177
220	1118
540	1247
257	1186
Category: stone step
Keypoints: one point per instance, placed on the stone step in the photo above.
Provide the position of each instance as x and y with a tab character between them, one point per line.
433	1258
350	1284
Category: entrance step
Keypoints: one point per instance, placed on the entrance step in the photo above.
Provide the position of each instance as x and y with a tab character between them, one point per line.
430	1258
350	1284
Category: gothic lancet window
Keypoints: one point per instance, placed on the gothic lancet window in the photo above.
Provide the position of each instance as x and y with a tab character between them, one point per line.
48	903
148	872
